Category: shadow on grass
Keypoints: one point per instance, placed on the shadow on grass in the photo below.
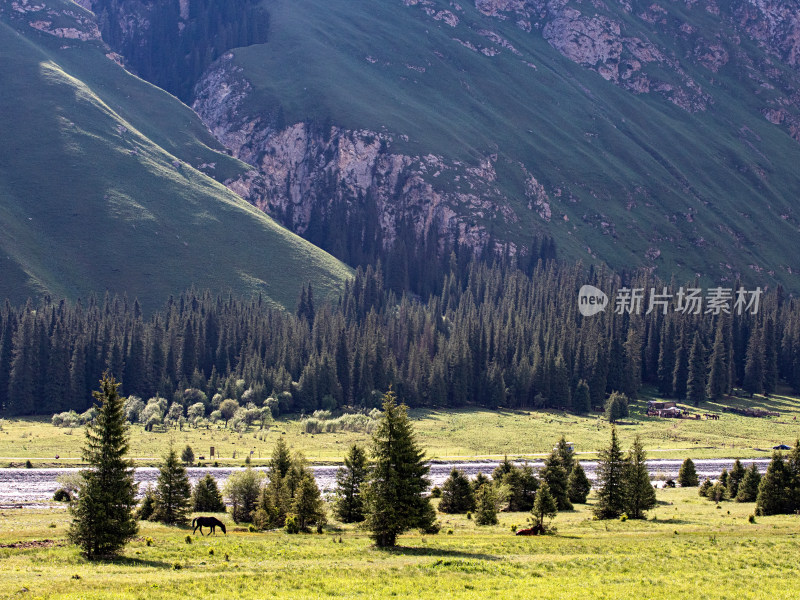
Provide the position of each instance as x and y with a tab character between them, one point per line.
672	521
129	561
774	403
408	551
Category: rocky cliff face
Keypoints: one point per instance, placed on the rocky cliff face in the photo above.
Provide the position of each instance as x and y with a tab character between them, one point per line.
300	170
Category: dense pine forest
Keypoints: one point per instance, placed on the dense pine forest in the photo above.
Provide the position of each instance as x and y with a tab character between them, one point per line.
179	39
489	335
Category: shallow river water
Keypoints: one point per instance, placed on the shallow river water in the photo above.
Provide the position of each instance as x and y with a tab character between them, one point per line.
35	485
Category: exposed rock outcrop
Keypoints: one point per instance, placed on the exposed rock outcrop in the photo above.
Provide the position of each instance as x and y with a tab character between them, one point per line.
592	34
592	37
300	169
67	23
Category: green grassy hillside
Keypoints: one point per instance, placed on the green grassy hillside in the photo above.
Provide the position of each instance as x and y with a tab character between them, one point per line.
103	187
632	179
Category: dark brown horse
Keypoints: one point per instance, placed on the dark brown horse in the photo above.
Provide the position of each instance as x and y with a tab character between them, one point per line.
211	522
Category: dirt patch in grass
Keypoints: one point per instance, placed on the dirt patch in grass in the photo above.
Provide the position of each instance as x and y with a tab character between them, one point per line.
32	544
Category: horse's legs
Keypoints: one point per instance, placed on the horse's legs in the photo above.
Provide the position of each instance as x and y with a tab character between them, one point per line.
195	529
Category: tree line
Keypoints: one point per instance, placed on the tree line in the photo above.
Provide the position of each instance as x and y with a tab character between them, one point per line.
493	335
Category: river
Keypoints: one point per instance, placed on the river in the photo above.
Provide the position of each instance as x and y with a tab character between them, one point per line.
26	486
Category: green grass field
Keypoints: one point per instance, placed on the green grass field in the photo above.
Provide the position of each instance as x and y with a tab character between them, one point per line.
687	548
447	434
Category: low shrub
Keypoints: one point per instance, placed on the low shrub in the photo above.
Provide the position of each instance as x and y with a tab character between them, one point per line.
62	495
292	524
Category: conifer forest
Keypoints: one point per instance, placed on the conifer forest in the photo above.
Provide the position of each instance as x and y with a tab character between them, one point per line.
490	334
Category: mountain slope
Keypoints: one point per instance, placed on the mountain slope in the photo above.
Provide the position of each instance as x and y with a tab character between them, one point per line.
646	134
102	182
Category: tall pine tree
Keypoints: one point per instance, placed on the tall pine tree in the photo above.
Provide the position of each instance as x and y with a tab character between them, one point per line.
696	381
102	517
398	481
350	480
611	480
640	495
173	491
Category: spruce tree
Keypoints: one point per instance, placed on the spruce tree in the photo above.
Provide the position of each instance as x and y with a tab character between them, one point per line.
611	480
616	407
748	488
582	401
735	478
723	478
187	456
680	372
566	454
545	506
243	489
578	485
516	487
486	505
350	480
754	363
666	359
173	491
25	365
206	496
276	497
599	381
457	494
559	388
770	358
398	481
281	459
148	504
687	476
793	467
307	505
718	373
632	365
103	519
696	380
479	481
774	491
640	495
556	477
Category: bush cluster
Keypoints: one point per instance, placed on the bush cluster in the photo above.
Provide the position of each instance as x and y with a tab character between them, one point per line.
323	422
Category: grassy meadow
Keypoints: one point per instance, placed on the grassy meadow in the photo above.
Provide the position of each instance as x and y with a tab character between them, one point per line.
688	547
445	434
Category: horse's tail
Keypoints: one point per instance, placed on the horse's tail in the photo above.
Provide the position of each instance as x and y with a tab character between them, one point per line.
193	521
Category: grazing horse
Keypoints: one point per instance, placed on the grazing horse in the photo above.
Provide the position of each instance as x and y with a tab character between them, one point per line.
211	522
